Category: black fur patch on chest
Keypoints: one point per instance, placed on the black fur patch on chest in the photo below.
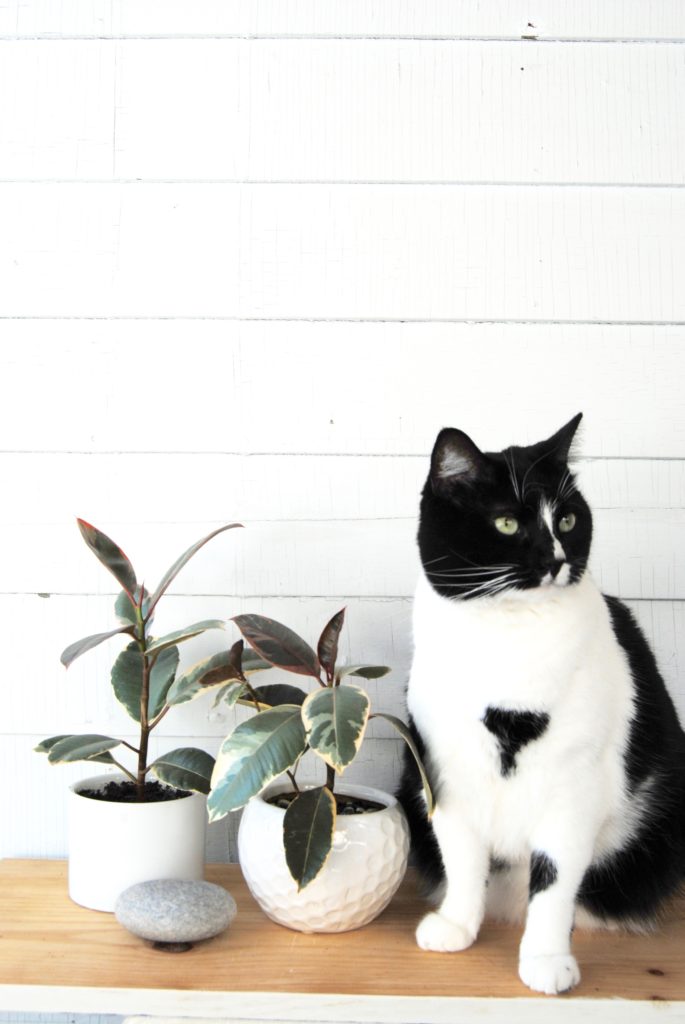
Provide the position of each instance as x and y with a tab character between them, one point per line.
513	730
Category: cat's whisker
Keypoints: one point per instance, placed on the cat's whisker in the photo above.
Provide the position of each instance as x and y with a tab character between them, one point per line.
509	460
567	487
440	558
466	573
528	471
490	586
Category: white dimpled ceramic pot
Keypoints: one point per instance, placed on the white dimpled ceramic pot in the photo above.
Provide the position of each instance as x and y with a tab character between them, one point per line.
364	869
114	845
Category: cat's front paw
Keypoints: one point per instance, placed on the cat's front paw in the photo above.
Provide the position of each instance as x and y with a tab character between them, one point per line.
549	974
440	935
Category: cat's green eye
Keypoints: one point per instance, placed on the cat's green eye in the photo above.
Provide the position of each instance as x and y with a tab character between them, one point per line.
507	525
567	522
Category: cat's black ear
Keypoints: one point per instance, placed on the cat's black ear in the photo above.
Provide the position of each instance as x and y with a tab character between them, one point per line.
456	461
559	444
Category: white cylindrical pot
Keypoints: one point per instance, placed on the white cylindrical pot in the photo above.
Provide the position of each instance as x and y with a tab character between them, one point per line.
114	845
364	869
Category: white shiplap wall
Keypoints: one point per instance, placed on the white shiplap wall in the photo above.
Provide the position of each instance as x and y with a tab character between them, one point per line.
254	255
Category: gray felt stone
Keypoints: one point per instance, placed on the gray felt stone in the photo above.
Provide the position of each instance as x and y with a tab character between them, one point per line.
175	910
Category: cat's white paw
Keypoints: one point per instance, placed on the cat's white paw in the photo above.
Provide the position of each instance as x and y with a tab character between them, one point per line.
440	935
549	974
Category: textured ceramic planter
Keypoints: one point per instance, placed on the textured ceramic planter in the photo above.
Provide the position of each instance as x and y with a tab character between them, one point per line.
364	869
114	845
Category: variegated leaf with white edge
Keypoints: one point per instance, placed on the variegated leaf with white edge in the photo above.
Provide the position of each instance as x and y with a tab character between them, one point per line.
87	643
185	768
213	672
308	827
406	735
80	748
255	753
179	635
335	719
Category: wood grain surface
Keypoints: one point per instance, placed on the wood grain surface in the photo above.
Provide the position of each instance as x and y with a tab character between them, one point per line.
48	940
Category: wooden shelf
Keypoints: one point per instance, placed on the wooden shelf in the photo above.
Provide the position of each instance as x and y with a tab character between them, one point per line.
58	957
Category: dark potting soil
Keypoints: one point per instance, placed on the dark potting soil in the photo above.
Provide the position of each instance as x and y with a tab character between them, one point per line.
126	793
343	804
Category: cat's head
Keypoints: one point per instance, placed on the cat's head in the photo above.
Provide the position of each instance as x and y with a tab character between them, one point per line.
494	523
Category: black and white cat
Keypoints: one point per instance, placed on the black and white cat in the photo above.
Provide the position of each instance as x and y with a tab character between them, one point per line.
553	748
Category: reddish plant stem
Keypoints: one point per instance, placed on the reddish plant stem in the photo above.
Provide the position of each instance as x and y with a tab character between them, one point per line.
144	728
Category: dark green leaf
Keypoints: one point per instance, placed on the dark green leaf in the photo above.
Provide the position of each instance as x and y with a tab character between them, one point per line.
180	635
75	650
409	740
173	572
308	828
278	645
80	748
110	554
280	693
335	719
185	768
255	753
161	678
124	607
127	680
365	671
328	643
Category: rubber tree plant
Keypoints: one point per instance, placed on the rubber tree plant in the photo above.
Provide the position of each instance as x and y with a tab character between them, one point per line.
330	722
145	676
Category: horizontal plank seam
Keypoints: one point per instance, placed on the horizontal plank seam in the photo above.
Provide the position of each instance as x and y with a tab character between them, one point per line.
343	320
255	37
385	182
317	455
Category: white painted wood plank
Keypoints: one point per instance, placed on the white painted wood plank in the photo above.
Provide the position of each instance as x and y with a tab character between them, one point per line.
260	488
192	115
80	699
437	17
636	554
280	1008
612	19
57	111
342	251
341	111
363	388
376	632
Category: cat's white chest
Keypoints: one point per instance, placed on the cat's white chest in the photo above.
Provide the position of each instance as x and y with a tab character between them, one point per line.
553	658
518	654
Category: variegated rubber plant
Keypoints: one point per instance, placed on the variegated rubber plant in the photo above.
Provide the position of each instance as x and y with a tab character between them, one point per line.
144	675
330	721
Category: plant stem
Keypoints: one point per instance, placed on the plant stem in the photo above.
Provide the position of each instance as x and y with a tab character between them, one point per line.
294	781
330	777
159	717
144	726
124	770
130	746
253	695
